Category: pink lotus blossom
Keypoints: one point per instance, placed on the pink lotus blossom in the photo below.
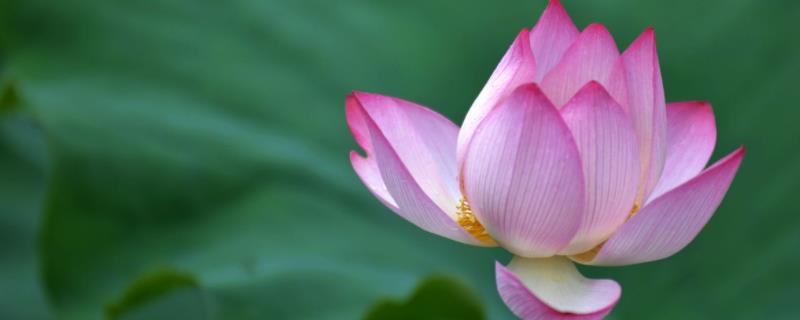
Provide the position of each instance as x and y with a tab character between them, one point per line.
569	154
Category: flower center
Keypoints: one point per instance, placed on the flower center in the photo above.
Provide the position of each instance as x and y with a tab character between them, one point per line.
589	255
467	220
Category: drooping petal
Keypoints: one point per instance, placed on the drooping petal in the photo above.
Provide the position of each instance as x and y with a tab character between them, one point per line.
369	173
522	175
668	223
592	56
516	68
610	153
553	289
646	107
413	149
550	38
424	140
691	136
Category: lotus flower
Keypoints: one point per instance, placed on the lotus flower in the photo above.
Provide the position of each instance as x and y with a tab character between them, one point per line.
569	154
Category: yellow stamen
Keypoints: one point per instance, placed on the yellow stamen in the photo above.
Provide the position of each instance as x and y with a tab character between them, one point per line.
589	255
470	223
634	210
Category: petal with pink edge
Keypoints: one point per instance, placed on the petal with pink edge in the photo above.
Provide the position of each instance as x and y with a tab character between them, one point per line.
516	68
691	136
414	165
592	56
424	140
369	173
670	222
554	289
522	175
550	38
610	154
646	107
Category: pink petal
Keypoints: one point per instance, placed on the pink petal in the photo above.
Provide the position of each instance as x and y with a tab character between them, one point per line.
553	289
610	154
592	56
646	107
522	175
691	135
668	223
413	150
550	38
516	67
369	173
424	140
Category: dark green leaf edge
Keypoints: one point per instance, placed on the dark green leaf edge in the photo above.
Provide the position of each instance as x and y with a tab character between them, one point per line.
149	287
439	297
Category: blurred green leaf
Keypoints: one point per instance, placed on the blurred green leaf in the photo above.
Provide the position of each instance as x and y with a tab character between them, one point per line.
182	303
209	137
148	287
9	98
23	162
436	298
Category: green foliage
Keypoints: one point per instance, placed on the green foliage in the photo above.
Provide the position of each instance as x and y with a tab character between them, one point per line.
9	98
23	162
148	287
436	298
209	137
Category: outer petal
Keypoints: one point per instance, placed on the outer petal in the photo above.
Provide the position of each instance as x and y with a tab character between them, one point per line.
550	38
592	56
424	140
413	149
552	288
516	68
610	154
691	136
522	176
646	107
367	169
670	222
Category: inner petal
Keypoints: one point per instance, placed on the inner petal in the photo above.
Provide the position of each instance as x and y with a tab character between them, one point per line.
589	255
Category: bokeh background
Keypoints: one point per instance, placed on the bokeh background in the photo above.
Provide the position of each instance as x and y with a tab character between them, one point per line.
188	159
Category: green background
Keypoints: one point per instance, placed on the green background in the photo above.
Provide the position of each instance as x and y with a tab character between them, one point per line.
188	159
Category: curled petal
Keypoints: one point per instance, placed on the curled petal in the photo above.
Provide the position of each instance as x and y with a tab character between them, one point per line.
610	154
691	135
411	161
647	108
550	38
670	222
515	69
522	175
592	57
367	169
552	288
